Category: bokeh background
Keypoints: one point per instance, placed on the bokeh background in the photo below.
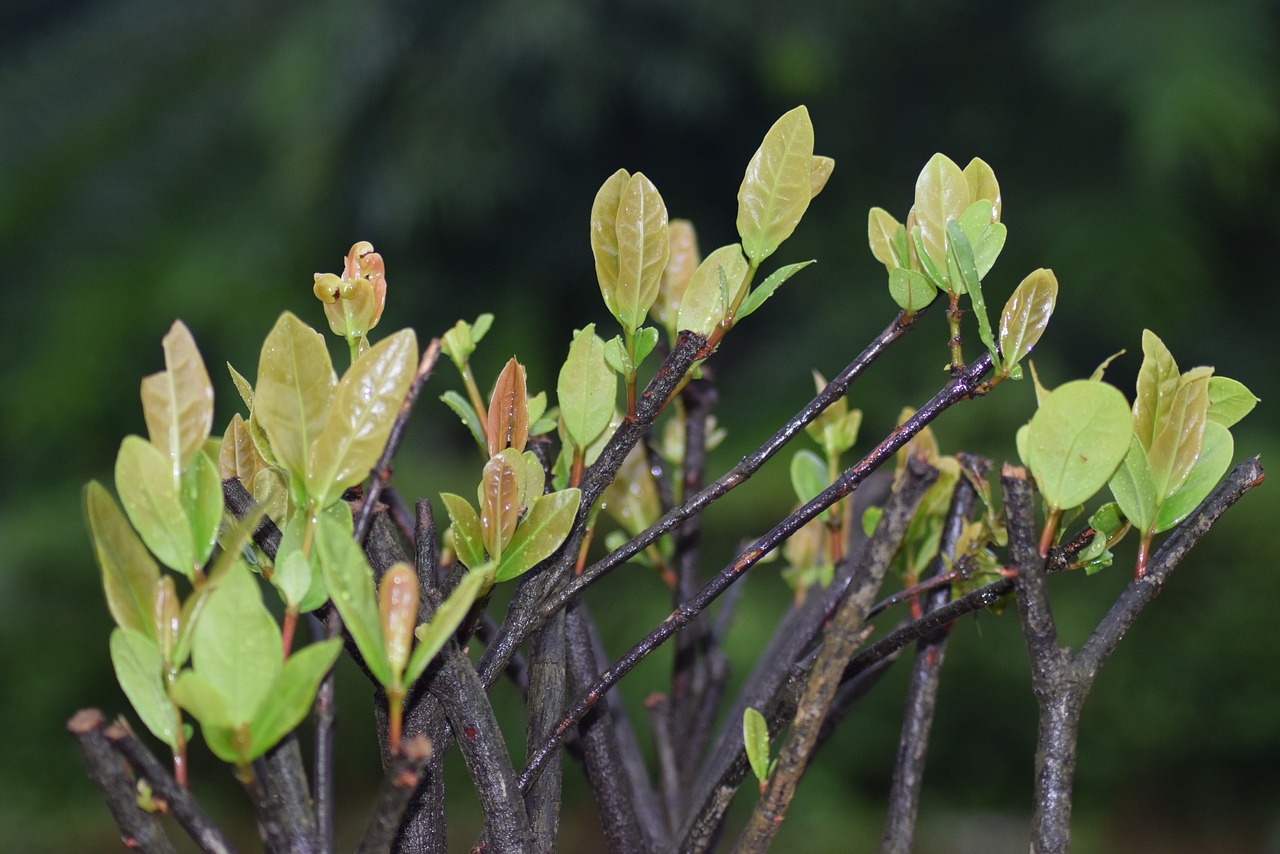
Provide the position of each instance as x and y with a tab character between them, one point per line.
202	159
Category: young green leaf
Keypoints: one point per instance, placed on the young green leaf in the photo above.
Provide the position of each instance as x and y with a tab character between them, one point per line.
434	635
542	531
364	409
766	288
1077	438
291	695
140	672
177	403
882	234
294	392
462	408
960	258
983	185
1229	401
1157	385
1180	434
911	290
808	475
468	535
646	340
202	505
985	236
822	169
755	736
460	341
630	242
1025	316
586	388
154	504
942	194
129	574
705	303
1214	460
350	582
242	387
1134	487
777	187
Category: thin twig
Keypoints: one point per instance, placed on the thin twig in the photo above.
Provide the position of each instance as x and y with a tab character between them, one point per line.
401	778
182	804
846	632
139	829
283	799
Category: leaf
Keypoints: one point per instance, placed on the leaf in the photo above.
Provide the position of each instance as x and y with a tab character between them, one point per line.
129	574
911	290
434	635
604	234
1229	401
140	672
705	305
540	534
1026	315
195	693
154	505
961	256
462	408
759	294
942	194
237	645
586	389
820	174
682	260
1177	441
508	421
500	499
643	249
202	505
1157	384
755	737
615	356
398	610
364	409
292	694
1212	463
1077	439
808	475
271	490
242	386
177	403
1134	488
983	185
468	539
238	456
646	339
882	231
350	582
292	576
294	390
986	237
777	186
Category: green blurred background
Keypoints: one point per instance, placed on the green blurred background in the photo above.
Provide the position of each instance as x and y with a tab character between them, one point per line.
202	159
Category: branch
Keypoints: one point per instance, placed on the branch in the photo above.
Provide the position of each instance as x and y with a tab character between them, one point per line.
845	634
139	829
922	690
1049	662
961	387
544	700
182	804
401	778
283	799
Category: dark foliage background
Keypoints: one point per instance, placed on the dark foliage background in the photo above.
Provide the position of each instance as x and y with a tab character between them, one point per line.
200	160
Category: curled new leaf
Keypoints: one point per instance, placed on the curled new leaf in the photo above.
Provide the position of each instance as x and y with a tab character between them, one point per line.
508	421
777	186
883	235
1157	385
1025	316
177	403
1076	440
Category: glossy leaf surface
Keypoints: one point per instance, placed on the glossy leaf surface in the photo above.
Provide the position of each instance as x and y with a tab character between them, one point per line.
292	694
1134	487
942	194
882	233
129	573
1229	401
1157	385
910	289
1026	315
508	419
154	504
766	288
755	737
820	174
140	672
540	534
1214	460
434	635
202	503
177	403
586	388
1180	431
706	300
468	535
398	609
777	186
294	390
350	582
983	185
1077	439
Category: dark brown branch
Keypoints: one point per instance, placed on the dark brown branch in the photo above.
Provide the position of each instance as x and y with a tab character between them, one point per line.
240	504
182	804
926	671
283	799
545	699
961	387
139	829
845	634
402	777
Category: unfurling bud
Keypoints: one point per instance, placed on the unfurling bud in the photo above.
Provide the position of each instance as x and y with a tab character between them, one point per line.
353	302
398	608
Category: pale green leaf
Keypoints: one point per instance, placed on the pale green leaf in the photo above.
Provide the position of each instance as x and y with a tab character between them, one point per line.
243	387
911	290
766	288
140	672
1077	438
822	169
1212	463
986	237
237	645
129	574
755	737
1178	438
463	409
294	390
604	235
199	696
238	457
777	186
292	695
202	504
882	232
350	582
983	185
540	533
586	389
468	536
646	340
942	194
808	475
961	256
1026	315
705	303
434	635
1229	401
177	403
1134	488
643	249
615	356
365	405
154	504
1157	385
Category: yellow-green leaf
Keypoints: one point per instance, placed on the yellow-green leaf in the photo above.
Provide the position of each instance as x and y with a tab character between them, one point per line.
1157	384
1134	488
586	388
154	503
1229	401
706	300
294	390
237	645
178	402
365	406
777	186
1212	463
882	230
604	234
1180	434
1077	439
350	582
434	635
202	505
238	457
1026	315
540	533
291	695
129	574
468	536
643	248
983	185
942	194
140	672
822	169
